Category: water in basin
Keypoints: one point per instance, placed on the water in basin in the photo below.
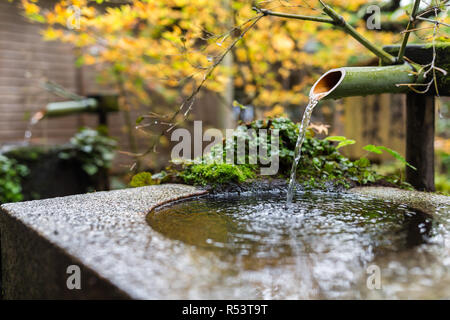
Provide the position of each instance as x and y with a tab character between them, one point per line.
319	246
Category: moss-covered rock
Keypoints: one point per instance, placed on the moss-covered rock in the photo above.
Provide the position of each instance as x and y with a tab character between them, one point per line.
321	166
217	174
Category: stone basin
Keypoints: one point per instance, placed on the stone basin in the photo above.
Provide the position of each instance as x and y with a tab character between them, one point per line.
121	257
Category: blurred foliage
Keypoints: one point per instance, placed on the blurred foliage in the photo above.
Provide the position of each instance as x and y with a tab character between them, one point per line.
11	174
92	148
28	153
442	179
381	149
443	121
442	183
168	46
442	148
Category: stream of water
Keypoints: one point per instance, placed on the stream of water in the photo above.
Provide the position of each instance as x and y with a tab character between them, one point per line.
33	121
313	101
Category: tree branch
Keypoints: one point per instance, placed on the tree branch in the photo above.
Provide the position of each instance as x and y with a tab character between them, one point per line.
296	16
189	101
341	23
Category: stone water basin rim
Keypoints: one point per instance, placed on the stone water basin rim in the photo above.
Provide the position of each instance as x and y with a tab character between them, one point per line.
119	254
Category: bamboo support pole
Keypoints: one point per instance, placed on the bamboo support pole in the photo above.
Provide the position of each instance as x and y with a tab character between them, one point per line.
401	52
420	127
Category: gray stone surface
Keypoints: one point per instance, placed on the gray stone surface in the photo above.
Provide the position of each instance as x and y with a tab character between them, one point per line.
430	203
106	234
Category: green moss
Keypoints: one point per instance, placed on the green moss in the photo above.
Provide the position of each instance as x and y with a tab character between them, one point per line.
216	174
443	62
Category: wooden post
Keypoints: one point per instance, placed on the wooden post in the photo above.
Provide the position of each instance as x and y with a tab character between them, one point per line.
102	116
420	114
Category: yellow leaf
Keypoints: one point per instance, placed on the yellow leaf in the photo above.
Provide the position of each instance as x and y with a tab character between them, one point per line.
281	41
51	34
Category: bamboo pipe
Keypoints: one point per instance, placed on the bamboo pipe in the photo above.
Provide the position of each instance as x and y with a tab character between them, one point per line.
57	109
361	81
92	105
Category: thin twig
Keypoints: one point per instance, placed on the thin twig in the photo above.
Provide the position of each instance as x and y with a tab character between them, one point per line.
189	101
401	52
126	114
431	67
60	91
433	21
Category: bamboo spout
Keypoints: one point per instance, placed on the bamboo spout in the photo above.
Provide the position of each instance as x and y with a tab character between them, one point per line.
327	83
361	81
94	104
57	109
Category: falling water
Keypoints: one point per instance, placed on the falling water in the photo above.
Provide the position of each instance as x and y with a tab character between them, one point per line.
313	101
33	121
